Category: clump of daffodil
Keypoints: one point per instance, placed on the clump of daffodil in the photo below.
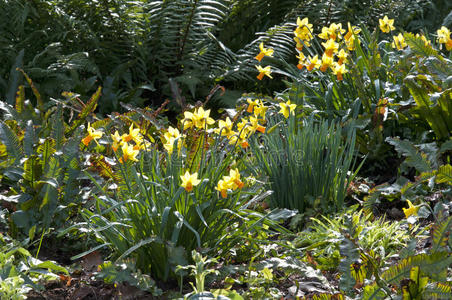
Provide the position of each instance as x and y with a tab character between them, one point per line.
129	152
287	108
189	181
93	134
266	71
399	42
386	25
264	52
303	33
230	182
444	37
200	118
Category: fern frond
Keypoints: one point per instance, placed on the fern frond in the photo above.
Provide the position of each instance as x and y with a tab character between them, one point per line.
444	174
418	46
414	157
434	265
11	141
87	109
441	233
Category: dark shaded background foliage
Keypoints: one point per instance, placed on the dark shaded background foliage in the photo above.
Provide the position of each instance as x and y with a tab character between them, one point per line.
133	48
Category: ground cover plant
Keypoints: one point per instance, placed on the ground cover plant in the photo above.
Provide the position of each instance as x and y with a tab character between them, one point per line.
169	155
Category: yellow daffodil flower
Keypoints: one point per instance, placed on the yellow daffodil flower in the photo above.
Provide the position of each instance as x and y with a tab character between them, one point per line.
264	52
330	47
134	134
399	42
234	179
314	63
189	181
225	127
386	25
301	60
327	61
128	153
172	133
223	187
202	118
287	108
93	134
117	141
342	57
260	110
338	70
350	37
264	71
255	126
251	104
444	37
303	33
411	210
333	32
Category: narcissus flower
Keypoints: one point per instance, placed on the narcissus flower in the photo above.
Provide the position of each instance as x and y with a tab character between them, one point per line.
223	187
134	134
339	70
264	52
330	47
301	60
251	104
287	108
327	61
128	153
314	63
333	32
411	210
255	126
260	110
93	134
303	33
399	42
444	37
342	57
225	127
386	25
350	37
234	179
117	141
264	71
189	181
199	118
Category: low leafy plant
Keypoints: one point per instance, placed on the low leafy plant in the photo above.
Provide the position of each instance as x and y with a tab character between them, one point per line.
322	239
20	272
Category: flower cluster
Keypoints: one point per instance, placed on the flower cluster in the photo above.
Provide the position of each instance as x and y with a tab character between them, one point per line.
337	44
230	182
264	71
129	150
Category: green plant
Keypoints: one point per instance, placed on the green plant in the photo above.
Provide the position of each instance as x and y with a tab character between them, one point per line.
199	271
322	238
307	165
20	272
40	162
156	219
